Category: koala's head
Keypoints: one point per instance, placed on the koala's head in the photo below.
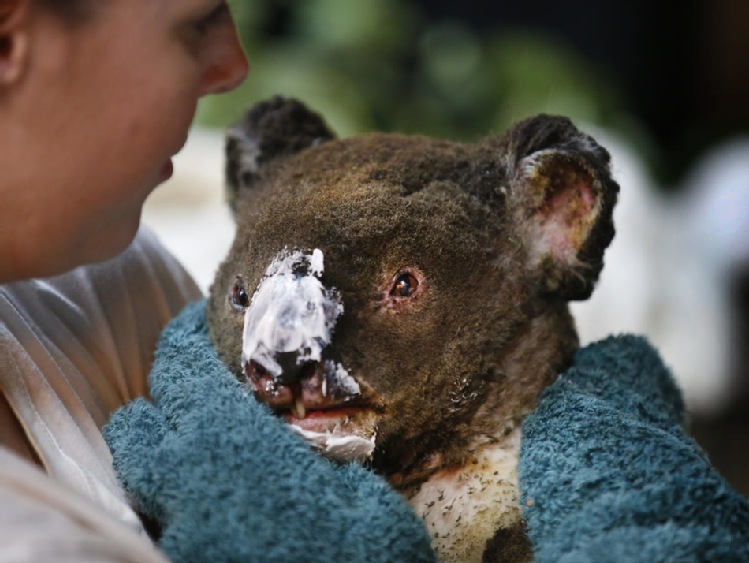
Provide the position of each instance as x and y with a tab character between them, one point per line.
404	299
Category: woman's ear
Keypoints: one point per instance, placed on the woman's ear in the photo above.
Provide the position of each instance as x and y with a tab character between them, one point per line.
13	40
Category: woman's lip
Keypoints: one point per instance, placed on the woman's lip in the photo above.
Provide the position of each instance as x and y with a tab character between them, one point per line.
166	171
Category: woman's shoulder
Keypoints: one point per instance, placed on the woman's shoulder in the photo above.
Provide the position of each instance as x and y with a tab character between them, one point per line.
101	318
75	347
144	279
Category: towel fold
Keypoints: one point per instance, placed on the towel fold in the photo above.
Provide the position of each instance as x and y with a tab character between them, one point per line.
607	471
609	474
228	481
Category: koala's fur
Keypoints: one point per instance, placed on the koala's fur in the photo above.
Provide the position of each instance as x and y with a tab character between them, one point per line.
499	235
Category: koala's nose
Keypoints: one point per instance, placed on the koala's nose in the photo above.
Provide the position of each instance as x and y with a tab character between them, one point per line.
294	367
291	318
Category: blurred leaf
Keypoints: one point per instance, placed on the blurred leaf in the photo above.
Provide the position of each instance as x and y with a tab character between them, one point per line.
381	65
532	74
291	72
452	56
381	26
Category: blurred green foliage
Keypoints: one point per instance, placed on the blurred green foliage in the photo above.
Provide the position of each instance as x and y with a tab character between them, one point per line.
381	65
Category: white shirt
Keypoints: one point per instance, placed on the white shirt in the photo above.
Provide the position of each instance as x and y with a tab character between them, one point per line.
74	348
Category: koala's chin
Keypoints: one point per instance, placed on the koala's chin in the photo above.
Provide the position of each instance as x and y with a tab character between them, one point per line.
402	301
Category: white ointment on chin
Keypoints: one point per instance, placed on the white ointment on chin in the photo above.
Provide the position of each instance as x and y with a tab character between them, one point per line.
340	448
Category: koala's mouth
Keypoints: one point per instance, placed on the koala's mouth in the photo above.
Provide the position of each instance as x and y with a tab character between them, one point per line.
314	387
323	405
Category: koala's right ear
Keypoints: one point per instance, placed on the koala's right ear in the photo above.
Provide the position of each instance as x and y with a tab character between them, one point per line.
563	196
270	129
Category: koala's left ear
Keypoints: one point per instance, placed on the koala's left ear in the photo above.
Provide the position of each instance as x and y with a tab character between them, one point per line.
270	129
563	198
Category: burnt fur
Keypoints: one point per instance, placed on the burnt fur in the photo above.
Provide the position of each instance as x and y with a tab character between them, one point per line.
465	362
271	129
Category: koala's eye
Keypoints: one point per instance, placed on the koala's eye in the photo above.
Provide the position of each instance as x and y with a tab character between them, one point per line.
239	298
405	285
403	290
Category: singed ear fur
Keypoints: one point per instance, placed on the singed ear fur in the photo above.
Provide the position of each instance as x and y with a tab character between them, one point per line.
271	129
563	197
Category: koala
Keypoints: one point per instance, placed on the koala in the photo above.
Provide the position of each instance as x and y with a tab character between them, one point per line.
402	301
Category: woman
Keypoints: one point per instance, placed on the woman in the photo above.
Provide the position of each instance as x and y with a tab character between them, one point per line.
95	99
96	96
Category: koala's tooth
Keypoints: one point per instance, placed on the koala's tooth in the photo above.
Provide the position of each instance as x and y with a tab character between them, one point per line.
298	408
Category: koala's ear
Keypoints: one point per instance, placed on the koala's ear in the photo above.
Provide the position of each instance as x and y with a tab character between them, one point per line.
563	198
270	129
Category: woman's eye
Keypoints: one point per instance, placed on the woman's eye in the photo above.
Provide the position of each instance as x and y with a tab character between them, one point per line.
405	285
214	16
239	297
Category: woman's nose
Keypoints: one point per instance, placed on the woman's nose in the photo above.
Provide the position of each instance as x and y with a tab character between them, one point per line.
226	67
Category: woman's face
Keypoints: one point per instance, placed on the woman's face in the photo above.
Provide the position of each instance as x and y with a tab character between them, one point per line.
103	106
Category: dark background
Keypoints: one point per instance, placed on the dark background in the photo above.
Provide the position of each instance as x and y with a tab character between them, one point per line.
673	77
683	68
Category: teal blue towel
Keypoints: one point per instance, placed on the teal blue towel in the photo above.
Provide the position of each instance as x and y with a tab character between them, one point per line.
608	473
606	469
227	481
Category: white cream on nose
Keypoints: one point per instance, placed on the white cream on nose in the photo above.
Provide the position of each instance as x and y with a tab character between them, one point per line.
291	311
